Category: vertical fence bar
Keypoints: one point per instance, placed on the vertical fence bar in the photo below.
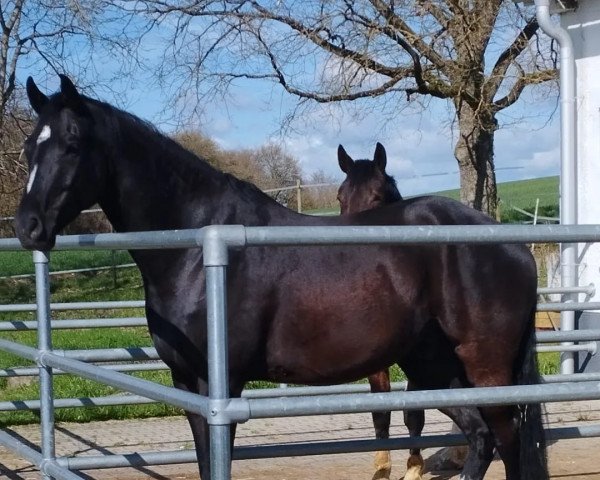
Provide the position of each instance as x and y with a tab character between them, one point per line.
299	195
42	294
218	370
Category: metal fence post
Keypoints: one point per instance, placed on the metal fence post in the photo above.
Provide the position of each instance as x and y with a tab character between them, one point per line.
299	195
42	293
215	261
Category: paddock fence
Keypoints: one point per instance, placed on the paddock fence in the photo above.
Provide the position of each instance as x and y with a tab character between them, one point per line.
217	407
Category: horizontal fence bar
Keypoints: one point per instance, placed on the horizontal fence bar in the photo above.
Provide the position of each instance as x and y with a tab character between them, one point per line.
587	289
110	354
424	399
321	235
149	353
568	306
421	234
163	239
25	325
31	307
122	367
583	347
77	270
107	305
126	399
108	401
572	377
141	459
567	336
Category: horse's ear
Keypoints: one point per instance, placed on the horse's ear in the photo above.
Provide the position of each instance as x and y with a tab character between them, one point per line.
70	93
37	99
344	160
380	157
67	88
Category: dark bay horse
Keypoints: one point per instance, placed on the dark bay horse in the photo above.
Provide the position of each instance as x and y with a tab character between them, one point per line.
367	185
295	314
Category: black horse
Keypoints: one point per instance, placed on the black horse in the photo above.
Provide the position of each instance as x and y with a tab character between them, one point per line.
295	314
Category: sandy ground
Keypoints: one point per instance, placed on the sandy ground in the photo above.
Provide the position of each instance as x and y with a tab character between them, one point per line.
573	459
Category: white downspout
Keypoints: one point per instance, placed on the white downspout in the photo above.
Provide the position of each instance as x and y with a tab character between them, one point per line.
568	167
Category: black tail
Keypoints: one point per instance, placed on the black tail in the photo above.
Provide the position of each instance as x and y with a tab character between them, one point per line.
533	461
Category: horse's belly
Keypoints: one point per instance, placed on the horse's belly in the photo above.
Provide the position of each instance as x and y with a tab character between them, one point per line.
323	349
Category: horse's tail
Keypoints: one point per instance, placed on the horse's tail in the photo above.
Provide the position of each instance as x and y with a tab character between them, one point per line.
533	460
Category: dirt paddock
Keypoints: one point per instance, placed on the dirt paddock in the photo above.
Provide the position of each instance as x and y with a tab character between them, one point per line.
572	459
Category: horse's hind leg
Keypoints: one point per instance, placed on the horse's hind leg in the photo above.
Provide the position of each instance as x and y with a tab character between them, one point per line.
380	382
500	420
479	438
414	421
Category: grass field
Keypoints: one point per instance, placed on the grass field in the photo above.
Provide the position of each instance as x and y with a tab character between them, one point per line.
521	194
20	263
101	286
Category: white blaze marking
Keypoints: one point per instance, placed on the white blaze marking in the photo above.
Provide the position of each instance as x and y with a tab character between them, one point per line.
31	178
44	135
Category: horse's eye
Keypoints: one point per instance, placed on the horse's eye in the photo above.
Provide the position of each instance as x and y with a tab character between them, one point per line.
72	146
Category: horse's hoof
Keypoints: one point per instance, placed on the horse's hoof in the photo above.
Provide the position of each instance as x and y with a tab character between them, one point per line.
414	467
383	466
447	459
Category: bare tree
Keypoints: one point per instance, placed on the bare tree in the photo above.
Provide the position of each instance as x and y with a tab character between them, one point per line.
477	55
278	170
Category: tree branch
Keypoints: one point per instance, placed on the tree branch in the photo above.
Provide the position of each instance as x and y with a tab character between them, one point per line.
532	78
436	87
508	56
280	76
411	37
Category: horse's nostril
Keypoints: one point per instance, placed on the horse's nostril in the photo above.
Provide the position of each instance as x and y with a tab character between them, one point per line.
34	227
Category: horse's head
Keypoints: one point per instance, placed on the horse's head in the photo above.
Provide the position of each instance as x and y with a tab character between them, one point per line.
366	185
65	175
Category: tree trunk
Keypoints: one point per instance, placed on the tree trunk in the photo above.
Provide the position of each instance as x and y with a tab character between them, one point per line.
474	153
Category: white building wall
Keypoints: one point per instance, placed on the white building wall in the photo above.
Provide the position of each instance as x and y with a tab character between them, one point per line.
583	26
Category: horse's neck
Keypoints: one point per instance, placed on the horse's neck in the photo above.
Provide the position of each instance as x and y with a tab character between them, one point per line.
154	192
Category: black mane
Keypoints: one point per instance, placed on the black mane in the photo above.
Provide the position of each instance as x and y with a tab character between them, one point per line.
128	128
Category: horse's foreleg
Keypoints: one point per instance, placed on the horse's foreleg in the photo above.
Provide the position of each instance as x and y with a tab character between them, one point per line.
199	428
199	425
380	382
414	421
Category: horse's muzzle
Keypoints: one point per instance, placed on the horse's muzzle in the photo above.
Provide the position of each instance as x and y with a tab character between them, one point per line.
32	233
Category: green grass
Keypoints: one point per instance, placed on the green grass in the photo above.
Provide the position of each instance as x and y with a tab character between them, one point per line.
20	263
521	194
81	287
